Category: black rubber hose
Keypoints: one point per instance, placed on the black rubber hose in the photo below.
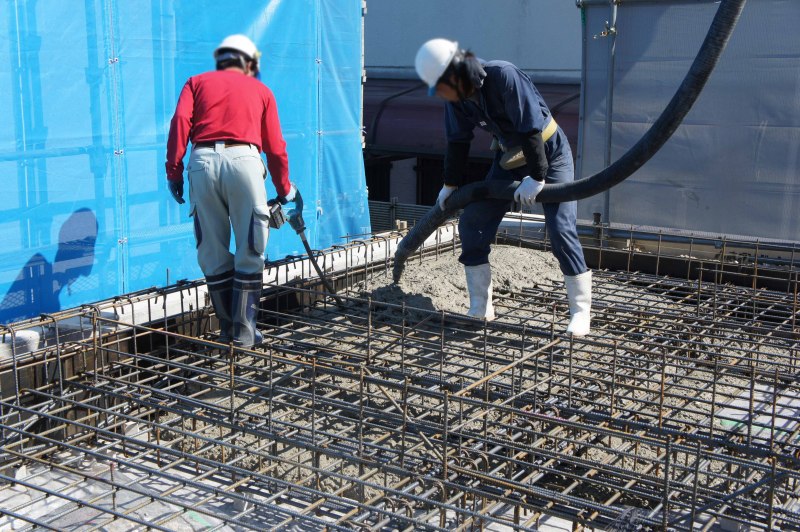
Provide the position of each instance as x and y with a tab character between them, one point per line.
463	196
707	58
682	101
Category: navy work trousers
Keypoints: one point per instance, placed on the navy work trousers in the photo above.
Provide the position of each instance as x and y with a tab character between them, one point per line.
480	220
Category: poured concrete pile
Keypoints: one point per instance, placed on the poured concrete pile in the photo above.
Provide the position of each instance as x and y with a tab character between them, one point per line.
439	283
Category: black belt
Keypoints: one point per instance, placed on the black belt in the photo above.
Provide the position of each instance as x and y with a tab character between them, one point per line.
228	144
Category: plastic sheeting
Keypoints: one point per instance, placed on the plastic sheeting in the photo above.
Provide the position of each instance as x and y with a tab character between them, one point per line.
87	91
733	166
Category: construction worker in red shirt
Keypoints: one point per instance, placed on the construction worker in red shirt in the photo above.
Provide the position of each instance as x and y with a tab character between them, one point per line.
230	117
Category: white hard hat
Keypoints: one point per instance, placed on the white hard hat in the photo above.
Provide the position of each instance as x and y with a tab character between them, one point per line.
240	43
432	60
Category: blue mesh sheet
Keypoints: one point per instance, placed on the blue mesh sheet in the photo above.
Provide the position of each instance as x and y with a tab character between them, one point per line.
87	91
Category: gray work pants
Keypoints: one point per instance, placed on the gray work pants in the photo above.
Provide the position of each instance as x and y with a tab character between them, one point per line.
226	189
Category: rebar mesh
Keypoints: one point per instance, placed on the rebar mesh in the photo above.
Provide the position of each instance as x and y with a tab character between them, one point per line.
681	411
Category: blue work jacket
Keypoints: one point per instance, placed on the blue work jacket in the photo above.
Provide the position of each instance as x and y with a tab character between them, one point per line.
507	105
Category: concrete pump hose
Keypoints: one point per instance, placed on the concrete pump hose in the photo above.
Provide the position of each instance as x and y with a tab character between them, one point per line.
459	199
662	129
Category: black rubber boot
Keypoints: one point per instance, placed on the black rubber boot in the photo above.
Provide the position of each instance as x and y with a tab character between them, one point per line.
246	302
220	291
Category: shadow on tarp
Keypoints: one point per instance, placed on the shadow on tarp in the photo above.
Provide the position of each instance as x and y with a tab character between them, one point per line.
37	288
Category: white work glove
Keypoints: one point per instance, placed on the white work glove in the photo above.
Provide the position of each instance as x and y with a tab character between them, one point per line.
527	191
289	195
444	194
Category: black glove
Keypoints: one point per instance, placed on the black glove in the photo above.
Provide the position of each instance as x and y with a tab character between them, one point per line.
176	189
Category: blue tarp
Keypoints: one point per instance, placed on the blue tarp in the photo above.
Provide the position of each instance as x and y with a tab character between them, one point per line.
87	91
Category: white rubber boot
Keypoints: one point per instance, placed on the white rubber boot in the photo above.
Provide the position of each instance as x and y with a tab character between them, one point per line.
479	284
579	293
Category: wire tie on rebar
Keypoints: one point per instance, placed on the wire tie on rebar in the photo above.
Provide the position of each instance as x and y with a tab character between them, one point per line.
627	520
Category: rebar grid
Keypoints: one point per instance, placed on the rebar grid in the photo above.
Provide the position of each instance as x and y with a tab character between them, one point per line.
680	411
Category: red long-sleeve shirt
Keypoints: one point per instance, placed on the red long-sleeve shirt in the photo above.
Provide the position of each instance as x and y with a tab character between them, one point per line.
228	105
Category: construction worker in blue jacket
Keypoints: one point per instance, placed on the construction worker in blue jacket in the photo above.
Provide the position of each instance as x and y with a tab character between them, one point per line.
500	98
